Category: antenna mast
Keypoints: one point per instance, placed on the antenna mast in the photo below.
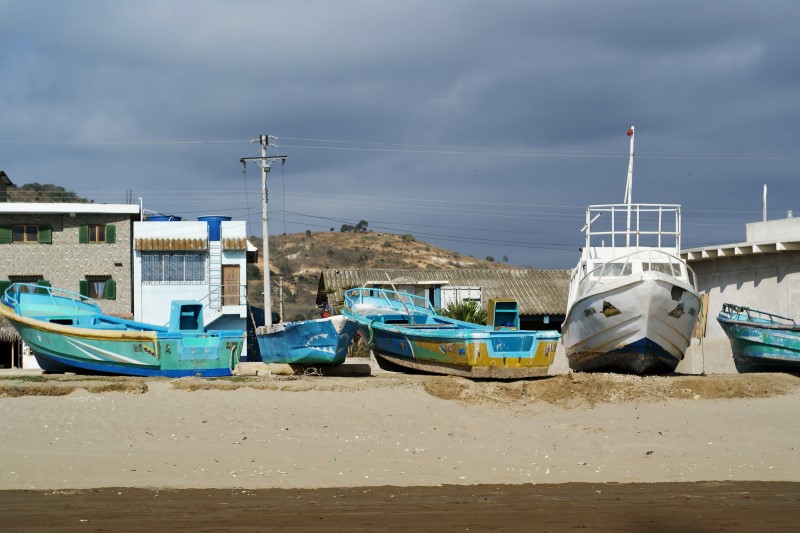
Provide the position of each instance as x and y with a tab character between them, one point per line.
629	189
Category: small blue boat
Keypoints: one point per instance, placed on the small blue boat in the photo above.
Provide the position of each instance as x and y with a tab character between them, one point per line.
406	330
309	342
68	332
761	341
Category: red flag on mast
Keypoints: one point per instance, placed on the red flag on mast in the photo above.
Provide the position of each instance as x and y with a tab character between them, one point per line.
630	132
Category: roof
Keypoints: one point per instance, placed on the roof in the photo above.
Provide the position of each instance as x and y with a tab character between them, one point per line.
7	331
739	249
4	179
537	292
68	207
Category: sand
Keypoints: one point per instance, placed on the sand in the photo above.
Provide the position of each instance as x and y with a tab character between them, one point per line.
393	430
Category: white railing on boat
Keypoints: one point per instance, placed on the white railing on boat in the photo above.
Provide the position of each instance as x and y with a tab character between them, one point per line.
58	297
634	225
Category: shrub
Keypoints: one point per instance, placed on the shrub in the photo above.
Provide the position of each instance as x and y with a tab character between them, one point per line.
467	311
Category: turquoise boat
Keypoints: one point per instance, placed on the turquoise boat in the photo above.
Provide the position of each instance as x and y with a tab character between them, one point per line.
405	330
309	342
68	332
761	341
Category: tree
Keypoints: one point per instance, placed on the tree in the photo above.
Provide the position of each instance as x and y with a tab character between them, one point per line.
361	227
490	258
44	193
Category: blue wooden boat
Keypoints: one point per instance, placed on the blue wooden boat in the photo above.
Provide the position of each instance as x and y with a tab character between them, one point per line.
761	341
68	332
406	330
309	342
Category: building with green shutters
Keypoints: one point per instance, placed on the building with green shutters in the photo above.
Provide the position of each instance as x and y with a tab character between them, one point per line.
81	247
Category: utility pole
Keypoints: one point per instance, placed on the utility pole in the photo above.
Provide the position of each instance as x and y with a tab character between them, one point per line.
265	163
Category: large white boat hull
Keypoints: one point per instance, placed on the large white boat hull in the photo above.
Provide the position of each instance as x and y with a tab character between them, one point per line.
640	324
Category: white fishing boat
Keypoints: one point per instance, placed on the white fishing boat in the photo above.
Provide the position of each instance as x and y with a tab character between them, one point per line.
633	301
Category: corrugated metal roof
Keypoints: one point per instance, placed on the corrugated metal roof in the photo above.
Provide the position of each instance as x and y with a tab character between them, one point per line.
537	292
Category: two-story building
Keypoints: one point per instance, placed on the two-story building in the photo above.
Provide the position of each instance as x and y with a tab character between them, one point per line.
82	247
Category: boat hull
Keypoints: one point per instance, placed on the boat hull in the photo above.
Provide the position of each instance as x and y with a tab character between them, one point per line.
476	354
120	347
311	342
758	348
641	324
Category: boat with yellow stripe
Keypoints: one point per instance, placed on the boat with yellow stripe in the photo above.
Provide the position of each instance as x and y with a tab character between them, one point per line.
406	330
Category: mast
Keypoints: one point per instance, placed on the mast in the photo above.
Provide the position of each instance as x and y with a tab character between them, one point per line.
629	189
265	163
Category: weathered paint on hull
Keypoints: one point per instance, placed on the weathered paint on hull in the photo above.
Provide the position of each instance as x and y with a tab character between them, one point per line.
478	358
757	349
640	327
643	357
311	342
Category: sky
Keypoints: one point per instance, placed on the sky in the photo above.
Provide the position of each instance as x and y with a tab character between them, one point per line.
483	127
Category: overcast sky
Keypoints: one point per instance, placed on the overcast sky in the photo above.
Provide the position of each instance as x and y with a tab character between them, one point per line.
483	127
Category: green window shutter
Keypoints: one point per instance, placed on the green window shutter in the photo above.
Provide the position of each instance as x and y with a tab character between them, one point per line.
83	287
111	233
43	283
45	234
4	284
111	289
83	233
5	234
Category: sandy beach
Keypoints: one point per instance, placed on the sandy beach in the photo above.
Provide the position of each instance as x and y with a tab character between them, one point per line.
70	435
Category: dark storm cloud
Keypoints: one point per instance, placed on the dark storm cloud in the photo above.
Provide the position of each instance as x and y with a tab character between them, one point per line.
488	126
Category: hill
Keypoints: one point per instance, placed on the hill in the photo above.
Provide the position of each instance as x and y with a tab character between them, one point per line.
297	259
44	193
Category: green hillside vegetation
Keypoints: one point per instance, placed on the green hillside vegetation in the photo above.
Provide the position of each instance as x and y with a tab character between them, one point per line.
296	261
44	193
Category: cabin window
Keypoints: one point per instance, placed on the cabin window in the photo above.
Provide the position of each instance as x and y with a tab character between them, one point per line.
616	269
671	269
99	287
174	267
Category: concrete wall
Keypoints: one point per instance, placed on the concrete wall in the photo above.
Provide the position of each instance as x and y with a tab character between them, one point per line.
767	282
783	229
66	261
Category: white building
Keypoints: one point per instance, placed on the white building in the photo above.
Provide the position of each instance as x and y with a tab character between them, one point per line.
762	273
203	260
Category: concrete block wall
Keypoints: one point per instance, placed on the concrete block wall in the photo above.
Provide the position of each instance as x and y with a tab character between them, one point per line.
67	261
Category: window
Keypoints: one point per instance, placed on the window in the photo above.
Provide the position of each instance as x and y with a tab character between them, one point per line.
173	267
97	233
32	279
99	287
25	233
94	233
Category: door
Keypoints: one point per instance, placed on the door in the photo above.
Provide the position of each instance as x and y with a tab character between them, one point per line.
230	285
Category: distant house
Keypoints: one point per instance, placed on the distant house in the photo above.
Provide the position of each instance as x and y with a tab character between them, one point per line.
762	273
82	247
541	295
5	184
